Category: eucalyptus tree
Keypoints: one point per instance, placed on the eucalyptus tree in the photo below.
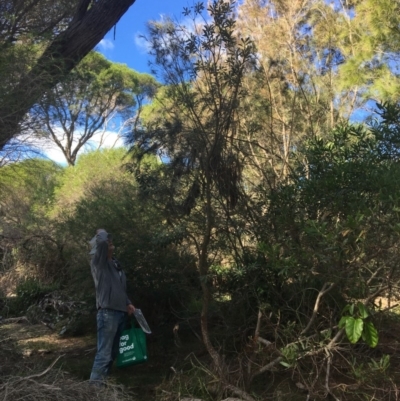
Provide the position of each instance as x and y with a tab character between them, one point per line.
41	41
95	92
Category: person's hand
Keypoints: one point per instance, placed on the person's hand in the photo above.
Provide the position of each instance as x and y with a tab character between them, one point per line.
130	309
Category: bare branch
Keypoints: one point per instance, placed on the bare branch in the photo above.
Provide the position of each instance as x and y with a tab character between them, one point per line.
47	370
325	289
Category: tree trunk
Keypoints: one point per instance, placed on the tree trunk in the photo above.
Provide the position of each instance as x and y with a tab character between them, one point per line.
92	20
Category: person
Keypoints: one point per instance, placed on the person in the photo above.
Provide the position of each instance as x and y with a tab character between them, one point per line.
112	302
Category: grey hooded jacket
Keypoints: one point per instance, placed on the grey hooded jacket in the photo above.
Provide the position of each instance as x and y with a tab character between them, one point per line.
110	282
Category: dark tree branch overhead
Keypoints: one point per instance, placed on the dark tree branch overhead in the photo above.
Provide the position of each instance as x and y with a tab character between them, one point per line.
91	21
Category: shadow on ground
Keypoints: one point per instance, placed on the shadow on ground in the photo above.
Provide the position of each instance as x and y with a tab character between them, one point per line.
28	348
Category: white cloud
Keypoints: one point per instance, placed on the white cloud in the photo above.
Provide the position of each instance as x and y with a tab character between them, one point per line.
55	154
102	139
106	139
141	43
106	44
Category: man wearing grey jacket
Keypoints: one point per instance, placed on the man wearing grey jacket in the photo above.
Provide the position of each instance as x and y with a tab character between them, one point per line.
112	303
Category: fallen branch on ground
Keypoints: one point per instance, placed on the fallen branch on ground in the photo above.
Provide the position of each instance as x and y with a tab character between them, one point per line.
14	320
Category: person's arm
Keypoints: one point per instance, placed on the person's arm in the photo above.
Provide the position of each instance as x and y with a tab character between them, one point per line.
129	306
102	246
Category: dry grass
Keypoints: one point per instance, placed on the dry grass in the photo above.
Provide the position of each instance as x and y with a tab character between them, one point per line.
37	364
55	385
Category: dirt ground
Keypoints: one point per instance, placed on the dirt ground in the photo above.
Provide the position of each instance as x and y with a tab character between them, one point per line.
25	348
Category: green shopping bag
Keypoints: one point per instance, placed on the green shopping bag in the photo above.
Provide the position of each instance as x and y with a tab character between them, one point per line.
132	347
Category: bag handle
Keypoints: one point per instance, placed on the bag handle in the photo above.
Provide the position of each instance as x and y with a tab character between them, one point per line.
137	340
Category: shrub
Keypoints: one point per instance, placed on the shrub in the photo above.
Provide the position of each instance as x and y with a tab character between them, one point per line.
30	291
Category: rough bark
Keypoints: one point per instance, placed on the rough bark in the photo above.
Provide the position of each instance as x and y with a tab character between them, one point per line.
92	20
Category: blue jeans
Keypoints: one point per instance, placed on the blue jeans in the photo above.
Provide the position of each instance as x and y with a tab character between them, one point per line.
110	324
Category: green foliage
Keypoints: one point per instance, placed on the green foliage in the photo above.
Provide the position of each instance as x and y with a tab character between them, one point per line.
30	291
237	199
374	370
24	33
100	192
328	233
381	365
356	325
195	112
370	334
192	382
290	354
91	169
374	43
28	247
354	328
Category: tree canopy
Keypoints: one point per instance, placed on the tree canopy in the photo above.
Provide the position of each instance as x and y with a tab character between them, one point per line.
41	42
96	94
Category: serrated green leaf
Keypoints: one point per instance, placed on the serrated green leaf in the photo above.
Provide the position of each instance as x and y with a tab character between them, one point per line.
363	310
370	334
354	329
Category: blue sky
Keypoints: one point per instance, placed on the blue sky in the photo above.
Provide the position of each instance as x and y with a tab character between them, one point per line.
127	48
